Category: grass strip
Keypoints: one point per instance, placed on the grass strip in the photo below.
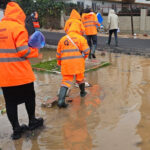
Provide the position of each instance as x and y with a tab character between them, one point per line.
52	67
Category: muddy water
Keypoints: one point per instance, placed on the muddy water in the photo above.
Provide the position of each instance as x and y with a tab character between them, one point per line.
115	115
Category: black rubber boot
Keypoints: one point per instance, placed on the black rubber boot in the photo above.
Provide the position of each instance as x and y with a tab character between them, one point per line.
93	55
61	98
35	123
90	53
82	89
18	131
89	56
93	51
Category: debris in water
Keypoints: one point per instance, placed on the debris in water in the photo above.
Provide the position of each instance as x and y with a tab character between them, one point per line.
2	111
86	84
50	102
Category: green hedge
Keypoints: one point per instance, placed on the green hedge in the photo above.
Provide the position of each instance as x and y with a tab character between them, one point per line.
49	11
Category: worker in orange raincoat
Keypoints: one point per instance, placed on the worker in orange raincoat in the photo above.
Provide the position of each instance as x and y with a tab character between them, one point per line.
16	75
71	54
35	21
75	17
91	23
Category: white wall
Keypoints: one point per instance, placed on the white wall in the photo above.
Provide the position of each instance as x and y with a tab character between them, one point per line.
142	1
86	2
105	6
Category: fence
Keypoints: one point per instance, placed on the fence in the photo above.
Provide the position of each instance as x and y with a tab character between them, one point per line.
141	23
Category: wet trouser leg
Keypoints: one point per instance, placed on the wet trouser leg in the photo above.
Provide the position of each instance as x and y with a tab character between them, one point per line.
94	39
12	114
11	108
110	35
30	107
89	38
67	80
116	37
81	82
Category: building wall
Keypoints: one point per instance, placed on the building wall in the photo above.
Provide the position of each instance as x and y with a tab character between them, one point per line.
125	24
142	1
147	24
100	6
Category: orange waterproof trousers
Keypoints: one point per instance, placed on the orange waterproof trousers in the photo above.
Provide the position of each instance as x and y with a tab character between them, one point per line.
68	79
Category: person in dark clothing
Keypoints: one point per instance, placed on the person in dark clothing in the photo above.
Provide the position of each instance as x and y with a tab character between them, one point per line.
91	23
29	25
35	20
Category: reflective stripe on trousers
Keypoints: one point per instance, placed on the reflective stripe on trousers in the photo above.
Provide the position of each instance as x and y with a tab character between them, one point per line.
68	79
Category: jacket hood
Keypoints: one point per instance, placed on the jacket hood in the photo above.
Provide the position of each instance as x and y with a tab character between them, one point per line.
75	15
111	11
88	15
74	28
13	12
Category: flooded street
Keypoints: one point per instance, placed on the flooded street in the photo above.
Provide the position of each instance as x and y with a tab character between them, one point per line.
115	115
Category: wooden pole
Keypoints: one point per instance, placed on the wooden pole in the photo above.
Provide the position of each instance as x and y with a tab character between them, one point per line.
132	26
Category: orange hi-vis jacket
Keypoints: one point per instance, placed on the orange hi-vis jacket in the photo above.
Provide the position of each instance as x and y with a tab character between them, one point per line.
90	22
71	58
15	68
75	18
35	20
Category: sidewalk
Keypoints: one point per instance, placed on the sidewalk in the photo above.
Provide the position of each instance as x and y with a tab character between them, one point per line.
126	45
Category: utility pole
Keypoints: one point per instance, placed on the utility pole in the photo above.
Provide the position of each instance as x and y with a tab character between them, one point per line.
132	26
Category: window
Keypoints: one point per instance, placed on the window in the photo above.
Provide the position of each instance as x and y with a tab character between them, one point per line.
80	4
94	6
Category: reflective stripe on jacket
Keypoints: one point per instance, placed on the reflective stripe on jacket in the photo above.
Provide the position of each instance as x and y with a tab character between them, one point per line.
90	22
71	58
14	50
35	23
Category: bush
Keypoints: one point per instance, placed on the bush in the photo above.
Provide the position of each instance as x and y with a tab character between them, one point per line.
49	11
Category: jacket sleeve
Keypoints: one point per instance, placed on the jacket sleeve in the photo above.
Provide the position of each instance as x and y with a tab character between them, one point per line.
84	48
108	21
82	28
65	28
21	41
67	25
58	54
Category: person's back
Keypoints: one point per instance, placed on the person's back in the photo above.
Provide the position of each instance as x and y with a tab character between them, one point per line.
113	20
90	22
11	26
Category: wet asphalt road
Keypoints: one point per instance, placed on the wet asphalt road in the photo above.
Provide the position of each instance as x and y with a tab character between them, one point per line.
126	45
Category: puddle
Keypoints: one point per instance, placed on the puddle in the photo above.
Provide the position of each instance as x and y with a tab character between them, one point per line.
115	115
